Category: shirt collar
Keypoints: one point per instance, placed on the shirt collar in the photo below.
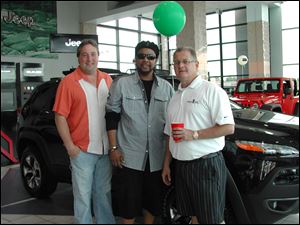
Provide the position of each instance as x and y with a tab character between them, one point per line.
138	79
197	81
79	74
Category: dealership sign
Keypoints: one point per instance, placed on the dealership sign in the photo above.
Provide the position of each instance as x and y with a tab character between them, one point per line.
68	43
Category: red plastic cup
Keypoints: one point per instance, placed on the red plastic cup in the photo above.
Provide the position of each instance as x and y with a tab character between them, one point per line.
177	125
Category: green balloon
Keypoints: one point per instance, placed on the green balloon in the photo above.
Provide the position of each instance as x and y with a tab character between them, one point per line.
169	18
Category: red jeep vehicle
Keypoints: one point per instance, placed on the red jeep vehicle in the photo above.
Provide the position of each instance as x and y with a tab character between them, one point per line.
277	94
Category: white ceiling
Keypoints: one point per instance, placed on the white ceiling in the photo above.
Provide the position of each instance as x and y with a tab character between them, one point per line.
213	6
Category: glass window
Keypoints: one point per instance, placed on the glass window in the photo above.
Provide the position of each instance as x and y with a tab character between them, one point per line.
148	26
214	68
290	14
213	36
112	23
291	71
117	49
216	80
108	65
234	50
172	43
229	51
234	43
106	35
228	18
126	67
290	46
213	52
229	67
212	21
127	54
149	37
234	17
172	71
236	33
129	23
230	81
107	53
128	38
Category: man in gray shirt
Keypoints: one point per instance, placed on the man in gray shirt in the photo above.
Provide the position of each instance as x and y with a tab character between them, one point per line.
135	118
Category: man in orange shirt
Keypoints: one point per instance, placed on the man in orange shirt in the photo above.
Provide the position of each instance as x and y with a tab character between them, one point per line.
79	116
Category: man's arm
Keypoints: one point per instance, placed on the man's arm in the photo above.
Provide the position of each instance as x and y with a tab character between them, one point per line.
166	173
212	132
115	155
64	132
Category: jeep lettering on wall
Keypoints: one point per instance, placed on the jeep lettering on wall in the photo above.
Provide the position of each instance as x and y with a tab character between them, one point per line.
277	94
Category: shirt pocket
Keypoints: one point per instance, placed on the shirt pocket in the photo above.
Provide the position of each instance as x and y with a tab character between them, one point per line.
133	104
160	103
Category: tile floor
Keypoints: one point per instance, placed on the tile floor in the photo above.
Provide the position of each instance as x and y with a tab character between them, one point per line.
12	214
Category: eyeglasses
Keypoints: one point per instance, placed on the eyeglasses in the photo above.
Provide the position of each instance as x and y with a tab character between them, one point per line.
184	62
143	56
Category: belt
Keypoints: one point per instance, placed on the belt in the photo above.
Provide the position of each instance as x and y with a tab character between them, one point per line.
208	156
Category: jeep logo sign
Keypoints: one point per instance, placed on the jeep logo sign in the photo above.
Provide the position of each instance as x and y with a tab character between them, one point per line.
72	43
68	43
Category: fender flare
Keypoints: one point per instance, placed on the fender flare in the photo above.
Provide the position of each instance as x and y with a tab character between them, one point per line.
29	137
272	107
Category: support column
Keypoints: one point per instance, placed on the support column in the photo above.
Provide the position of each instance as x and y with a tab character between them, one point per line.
194	32
276	42
88	28
258	39
165	53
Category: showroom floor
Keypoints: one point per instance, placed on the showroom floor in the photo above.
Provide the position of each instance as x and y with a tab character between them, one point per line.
17	207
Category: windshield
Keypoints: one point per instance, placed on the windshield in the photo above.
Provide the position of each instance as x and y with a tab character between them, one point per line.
258	86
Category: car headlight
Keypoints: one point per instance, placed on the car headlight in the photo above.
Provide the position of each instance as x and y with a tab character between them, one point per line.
269	149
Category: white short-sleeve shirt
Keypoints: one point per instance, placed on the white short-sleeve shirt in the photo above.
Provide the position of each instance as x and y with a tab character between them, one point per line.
199	106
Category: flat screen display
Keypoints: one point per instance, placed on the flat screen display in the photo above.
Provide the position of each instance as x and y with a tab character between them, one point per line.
68	43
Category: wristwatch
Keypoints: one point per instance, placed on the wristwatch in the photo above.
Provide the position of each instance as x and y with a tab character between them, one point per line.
195	135
113	148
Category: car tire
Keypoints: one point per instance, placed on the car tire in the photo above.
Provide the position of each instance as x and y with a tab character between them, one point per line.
170	214
36	178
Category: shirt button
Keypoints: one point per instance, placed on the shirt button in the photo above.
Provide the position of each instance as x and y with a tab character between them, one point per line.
146	102
147	151
149	126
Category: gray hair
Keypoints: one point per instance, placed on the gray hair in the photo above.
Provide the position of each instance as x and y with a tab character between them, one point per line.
189	49
87	42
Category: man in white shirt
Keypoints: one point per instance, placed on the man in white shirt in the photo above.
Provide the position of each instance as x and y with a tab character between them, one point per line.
200	170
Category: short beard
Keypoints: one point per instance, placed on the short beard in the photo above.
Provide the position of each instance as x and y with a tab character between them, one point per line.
144	73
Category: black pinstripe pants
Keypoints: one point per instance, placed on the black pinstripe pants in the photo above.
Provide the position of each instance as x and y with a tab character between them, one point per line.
200	188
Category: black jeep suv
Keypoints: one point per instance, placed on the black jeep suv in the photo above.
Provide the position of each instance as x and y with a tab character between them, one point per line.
262	158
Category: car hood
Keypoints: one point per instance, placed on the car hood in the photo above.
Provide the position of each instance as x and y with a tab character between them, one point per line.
266	116
267	126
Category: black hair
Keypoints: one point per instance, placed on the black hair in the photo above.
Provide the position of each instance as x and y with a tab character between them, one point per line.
147	44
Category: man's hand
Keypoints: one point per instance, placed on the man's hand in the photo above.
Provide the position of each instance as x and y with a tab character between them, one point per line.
73	151
166	175
182	134
116	158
